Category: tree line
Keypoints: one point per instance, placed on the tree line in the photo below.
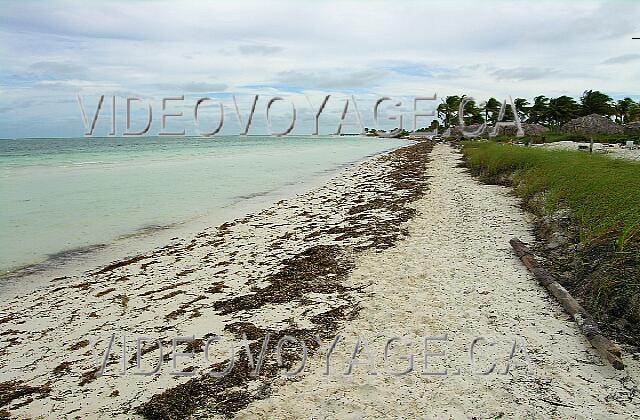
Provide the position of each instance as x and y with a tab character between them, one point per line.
551	112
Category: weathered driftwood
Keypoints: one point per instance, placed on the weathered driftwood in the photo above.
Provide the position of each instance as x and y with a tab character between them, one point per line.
585	321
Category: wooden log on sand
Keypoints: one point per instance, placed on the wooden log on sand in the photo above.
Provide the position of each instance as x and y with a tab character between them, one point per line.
585	321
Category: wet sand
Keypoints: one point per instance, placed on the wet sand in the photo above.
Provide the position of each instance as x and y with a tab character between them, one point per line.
278	270
405	245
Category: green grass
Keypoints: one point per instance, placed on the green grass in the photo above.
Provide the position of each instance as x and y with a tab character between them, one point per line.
602	193
603	196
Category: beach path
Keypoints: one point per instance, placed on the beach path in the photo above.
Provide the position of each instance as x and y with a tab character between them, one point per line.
406	244
456	274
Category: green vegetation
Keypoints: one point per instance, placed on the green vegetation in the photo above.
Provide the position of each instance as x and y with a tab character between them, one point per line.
603	193
551	112
603	198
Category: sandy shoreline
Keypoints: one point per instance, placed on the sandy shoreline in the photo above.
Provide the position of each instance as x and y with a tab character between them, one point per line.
198	286
74	262
456	274
400	245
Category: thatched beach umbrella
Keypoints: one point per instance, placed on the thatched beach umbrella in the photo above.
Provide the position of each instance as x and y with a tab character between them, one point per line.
590	125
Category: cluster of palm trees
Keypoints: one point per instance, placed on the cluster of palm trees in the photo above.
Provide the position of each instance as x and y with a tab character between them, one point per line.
551	112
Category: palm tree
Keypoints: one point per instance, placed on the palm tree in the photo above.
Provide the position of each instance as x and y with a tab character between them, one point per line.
596	102
522	108
562	109
471	113
634	112
448	110
622	108
492	106
539	110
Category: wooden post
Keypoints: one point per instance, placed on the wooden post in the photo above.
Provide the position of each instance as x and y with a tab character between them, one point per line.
585	321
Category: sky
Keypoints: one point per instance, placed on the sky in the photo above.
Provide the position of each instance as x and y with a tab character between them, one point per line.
51	52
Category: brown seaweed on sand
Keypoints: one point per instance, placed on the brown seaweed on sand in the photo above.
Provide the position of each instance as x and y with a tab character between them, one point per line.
319	269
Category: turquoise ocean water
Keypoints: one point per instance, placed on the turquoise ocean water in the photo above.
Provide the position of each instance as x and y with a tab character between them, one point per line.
59	195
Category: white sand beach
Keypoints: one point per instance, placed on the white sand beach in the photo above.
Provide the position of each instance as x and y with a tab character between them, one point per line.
456	274
349	257
297	210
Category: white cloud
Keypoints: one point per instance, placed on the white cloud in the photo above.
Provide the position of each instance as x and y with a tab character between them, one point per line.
259	49
622	59
55	50
524	73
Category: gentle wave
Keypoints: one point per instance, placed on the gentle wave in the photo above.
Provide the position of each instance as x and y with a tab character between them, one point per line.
57	204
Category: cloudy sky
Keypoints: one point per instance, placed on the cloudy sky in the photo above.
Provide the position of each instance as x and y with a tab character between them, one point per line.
53	51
